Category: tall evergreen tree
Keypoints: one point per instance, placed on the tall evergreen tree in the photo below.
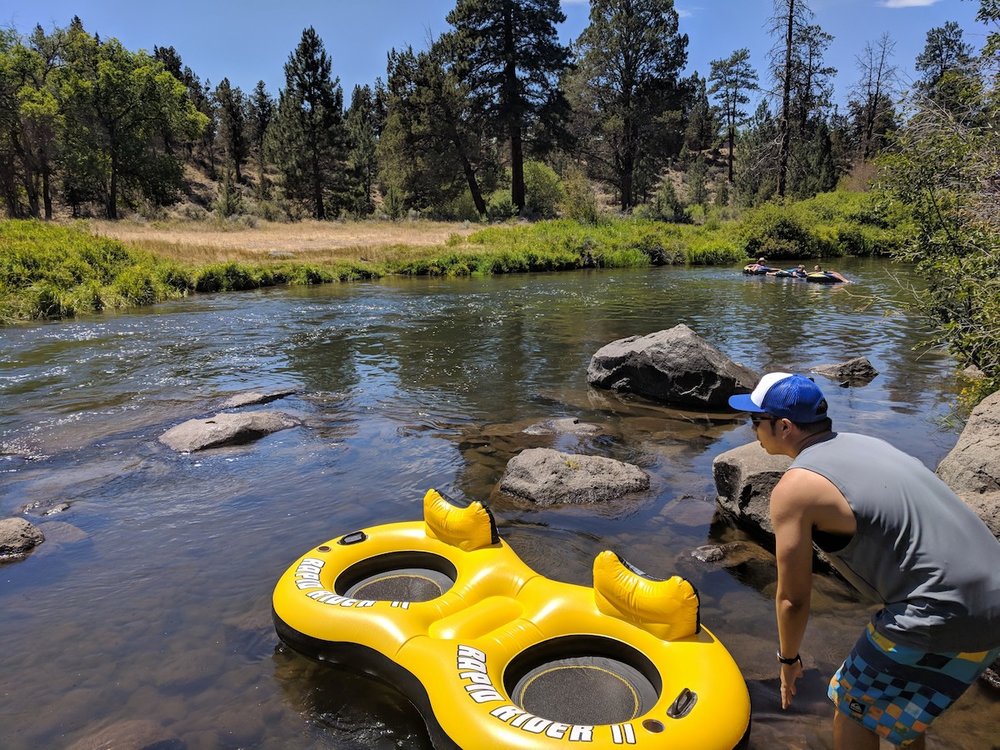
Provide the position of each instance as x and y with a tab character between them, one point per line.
626	87
434	144
508	53
309	137
260	113
232	109
756	170
945	50
362	131
702	123
731	79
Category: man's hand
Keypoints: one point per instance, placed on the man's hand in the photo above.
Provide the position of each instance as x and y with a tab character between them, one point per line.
790	673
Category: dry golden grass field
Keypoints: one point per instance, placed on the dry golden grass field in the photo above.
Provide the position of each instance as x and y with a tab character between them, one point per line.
307	241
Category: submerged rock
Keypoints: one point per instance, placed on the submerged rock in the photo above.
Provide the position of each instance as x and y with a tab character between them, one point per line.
17	538
674	366
564	426
224	429
546	477
131	734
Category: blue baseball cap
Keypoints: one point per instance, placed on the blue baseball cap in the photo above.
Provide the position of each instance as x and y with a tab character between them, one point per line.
782	394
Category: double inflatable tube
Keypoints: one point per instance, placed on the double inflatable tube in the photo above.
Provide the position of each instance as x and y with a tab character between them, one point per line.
493	654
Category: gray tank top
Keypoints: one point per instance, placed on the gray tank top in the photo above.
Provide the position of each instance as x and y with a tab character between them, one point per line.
919	549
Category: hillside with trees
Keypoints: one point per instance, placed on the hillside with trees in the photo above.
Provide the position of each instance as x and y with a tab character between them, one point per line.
498	119
493	110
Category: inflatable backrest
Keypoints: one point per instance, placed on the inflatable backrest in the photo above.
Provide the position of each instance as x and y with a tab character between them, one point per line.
669	609
468	528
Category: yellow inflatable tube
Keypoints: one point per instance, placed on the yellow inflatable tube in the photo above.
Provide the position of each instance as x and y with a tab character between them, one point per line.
495	655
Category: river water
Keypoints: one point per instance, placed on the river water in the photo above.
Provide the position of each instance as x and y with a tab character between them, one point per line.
146	613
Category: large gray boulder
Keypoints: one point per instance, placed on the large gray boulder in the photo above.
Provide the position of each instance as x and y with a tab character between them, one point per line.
17	538
546	477
224	429
674	366
744	478
972	468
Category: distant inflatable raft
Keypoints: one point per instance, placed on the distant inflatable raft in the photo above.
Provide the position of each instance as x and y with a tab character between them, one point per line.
495	655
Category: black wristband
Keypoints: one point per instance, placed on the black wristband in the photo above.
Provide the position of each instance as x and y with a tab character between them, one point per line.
783	660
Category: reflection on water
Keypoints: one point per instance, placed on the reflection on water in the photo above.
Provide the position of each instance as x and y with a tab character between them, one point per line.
146	614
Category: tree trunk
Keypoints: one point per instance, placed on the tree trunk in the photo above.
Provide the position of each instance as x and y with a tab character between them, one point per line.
513	116
47	190
113	189
470	178
516	168
786	95
319	210
732	140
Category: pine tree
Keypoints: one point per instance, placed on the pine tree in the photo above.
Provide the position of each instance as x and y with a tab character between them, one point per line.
260	110
362	132
731	79
232	109
509	55
627	95
435	146
310	143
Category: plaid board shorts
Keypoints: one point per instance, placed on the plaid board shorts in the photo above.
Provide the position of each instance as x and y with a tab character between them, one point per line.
897	691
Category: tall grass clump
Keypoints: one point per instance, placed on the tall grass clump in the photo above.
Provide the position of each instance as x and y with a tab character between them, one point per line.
613	243
52	271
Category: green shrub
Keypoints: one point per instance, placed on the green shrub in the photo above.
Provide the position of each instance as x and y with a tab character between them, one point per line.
501	207
667	206
580	201
543	190
772	231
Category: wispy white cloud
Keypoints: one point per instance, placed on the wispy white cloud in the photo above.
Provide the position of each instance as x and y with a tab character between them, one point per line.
907	3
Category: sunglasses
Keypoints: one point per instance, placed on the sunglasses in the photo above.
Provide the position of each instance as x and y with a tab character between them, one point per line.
756	419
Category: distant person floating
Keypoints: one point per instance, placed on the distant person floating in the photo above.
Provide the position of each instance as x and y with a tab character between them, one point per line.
818	275
799	272
759	268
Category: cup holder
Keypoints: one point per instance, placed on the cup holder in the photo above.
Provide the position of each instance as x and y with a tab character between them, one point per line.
397	577
583	680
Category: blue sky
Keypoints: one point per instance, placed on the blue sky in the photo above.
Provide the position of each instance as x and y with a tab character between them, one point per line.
250	40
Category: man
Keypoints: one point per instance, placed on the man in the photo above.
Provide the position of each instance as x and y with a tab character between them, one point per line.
899	535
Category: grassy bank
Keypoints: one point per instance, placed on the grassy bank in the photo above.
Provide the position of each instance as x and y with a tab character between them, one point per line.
54	271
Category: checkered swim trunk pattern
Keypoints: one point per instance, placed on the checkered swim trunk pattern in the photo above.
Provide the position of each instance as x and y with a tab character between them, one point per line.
896	691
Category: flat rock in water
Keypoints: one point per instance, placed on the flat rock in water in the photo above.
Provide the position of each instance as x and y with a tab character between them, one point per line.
254	397
17	538
224	429
674	366
564	426
546	477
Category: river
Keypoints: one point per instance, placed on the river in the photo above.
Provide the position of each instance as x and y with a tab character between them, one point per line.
146	613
